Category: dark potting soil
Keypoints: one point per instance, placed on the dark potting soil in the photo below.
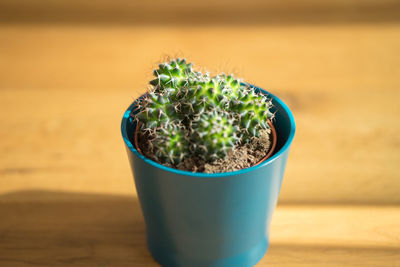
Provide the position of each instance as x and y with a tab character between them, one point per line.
241	157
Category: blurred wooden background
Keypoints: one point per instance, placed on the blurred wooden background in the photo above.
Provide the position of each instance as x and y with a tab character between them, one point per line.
69	69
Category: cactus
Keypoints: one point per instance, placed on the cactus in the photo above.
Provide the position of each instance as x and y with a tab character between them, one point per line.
214	134
253	110
187	113
171	144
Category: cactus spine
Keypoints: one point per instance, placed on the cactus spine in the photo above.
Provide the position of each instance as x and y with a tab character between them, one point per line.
187	113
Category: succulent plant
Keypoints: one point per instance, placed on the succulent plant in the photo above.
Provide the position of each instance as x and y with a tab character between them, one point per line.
214	134
170	144
187	113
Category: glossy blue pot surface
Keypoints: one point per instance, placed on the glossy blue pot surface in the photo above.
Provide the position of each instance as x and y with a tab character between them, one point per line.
201	220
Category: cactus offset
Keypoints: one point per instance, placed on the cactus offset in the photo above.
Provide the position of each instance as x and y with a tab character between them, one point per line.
253	110
187	113
214	134
170	144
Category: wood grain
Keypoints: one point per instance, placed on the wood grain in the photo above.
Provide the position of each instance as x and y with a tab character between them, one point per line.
63	91
207	12
50	228
67	196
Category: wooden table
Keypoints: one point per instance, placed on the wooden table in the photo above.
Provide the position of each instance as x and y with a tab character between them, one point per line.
50	228
66	192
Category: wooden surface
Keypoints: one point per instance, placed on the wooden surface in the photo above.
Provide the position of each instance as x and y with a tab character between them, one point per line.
64	90
49	228
66	192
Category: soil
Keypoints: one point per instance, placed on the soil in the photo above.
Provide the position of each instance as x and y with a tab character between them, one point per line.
241	157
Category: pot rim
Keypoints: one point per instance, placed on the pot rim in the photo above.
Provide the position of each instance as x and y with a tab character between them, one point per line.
220	174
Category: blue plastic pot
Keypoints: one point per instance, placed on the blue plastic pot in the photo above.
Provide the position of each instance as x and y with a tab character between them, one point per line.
201	220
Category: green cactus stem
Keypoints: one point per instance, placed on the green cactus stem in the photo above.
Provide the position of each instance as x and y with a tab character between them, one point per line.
187	113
